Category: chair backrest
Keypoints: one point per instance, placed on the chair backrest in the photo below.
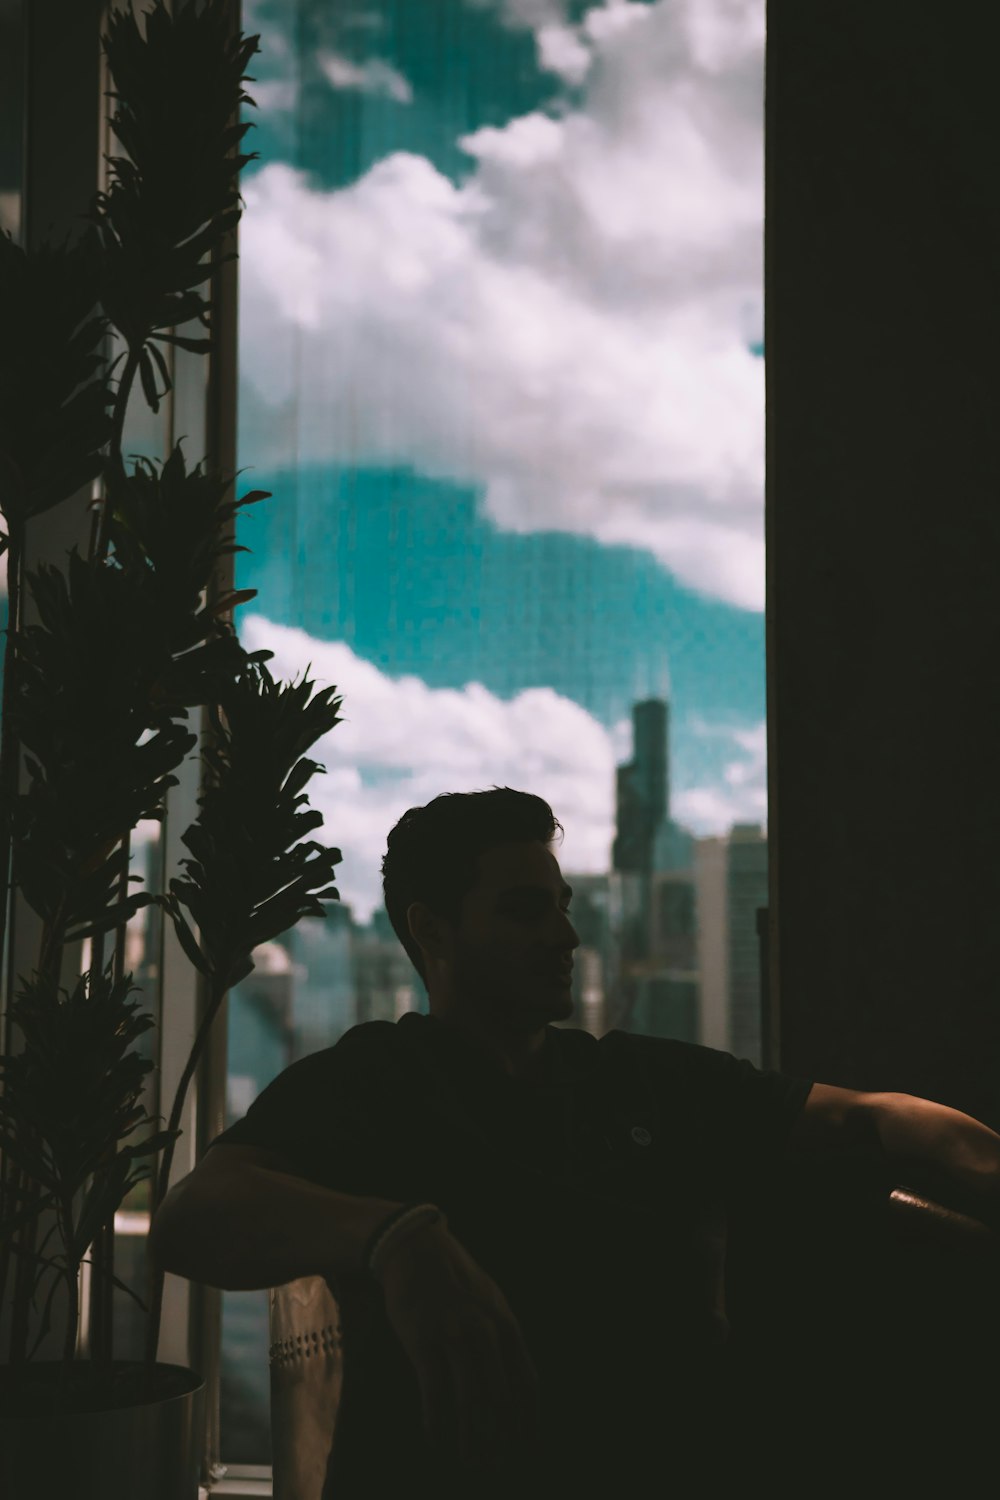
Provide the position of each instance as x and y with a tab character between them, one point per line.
306	1382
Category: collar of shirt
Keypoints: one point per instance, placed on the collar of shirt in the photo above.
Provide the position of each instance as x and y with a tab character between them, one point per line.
467	1051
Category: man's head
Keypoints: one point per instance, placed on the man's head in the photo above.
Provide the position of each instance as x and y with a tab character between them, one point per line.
477	899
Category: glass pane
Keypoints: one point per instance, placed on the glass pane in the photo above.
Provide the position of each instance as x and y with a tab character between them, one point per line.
501	366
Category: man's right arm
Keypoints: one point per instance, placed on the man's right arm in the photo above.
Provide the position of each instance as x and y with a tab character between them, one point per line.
240	1222
243	1221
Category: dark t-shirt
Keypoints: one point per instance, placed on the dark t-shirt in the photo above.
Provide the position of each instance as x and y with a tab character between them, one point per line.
585	1193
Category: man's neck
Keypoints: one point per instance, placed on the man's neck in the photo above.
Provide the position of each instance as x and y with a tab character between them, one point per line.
518	1056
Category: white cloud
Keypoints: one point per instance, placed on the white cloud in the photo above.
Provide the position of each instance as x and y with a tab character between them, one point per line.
525	142
561	51
564	48
273	96
718	30
741	796
569	51
400	743
712	810
374	76
724	31
566	328
613	17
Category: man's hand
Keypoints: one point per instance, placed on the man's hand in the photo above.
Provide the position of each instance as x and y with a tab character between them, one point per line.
942	1145
478	1385
953	1146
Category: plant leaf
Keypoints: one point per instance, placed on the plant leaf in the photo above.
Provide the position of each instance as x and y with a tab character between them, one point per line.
25	1215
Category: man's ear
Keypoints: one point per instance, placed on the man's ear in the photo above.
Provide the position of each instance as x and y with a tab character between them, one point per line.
427	929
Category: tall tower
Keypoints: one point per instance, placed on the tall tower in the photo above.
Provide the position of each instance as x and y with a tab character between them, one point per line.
655	888
642	801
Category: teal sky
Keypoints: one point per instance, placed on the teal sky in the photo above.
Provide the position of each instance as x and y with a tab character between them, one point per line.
403	563
405	571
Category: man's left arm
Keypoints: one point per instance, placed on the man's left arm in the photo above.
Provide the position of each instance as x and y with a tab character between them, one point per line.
942	1145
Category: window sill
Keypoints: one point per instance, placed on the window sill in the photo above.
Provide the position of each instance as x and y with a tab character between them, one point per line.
236	1489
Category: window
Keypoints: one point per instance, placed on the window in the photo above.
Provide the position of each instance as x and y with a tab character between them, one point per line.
501	366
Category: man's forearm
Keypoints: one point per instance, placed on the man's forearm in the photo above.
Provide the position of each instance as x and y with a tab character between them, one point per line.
949	1143
253	1227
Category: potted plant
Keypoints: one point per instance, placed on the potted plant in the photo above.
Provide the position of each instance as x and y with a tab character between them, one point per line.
96	698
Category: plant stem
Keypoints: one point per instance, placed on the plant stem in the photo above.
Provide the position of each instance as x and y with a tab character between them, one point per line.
99	540
72	1275
101	1322
47	976
160	1181
22	1286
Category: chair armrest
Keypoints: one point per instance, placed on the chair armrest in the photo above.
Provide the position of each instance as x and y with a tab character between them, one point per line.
917	1214
306	1367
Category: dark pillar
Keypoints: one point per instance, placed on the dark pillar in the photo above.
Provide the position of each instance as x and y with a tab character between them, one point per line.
883	384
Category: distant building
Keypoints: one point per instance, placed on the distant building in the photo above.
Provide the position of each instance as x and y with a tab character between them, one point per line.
657	981
711	866
732	885
596	959
746	891
260	1027
324	984
386	984
683	911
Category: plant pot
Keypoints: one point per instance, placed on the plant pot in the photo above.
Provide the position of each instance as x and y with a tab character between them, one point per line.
107	1443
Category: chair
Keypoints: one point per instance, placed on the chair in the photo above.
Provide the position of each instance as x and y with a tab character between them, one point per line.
865	1318
306	1382
921	1240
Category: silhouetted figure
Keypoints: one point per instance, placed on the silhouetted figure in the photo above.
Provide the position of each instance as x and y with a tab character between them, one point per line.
559	1327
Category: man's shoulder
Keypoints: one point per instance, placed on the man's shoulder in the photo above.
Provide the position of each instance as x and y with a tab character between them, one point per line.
352	1075
631	1059
368	1041
663	1050
374	1039
678	1063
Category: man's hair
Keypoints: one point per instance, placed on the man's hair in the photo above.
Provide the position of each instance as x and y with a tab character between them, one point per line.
434	851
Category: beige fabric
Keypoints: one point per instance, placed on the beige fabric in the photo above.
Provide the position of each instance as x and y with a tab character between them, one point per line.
306	1381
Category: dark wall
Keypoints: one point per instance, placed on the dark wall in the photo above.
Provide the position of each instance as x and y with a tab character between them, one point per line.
883	379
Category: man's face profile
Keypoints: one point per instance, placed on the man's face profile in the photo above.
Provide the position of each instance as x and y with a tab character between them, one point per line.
508	959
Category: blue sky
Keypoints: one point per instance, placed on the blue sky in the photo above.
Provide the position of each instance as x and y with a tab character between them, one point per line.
501	305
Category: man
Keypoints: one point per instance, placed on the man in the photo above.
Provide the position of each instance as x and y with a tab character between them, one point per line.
562	1328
